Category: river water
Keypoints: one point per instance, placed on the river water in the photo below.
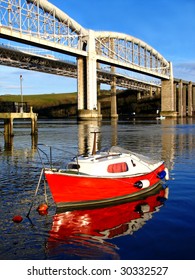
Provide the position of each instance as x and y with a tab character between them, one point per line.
160	226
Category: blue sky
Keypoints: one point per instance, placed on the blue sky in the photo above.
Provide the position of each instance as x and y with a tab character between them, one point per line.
166	25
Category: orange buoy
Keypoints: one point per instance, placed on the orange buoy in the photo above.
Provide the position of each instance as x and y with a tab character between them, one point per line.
17	219
43	209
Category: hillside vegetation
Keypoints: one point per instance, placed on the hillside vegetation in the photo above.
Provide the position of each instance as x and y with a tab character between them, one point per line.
43	100
48	105
64	105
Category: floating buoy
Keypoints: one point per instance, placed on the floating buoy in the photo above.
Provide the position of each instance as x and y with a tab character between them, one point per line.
161	175
42	209
142	184
17	219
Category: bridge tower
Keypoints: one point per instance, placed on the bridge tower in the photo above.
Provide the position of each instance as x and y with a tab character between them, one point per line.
168	96
87	82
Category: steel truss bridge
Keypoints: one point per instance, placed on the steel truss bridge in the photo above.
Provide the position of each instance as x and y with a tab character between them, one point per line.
39	23
32	59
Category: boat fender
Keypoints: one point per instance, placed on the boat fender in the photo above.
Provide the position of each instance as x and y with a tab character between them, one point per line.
167	173
142	184
162	174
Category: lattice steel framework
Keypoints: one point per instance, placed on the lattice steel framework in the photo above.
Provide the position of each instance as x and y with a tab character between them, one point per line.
39	19
14	57
129	50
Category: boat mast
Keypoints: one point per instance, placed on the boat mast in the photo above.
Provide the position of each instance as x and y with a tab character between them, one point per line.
94	142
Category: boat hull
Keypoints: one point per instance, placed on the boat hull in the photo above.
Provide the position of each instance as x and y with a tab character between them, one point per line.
80	190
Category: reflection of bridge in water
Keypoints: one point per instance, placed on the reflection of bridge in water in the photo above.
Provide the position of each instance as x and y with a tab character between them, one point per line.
170	141
41	24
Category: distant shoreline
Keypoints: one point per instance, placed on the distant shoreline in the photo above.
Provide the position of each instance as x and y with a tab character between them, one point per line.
64	105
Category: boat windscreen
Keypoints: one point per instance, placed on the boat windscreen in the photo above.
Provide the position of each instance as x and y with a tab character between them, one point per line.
117	149
120	150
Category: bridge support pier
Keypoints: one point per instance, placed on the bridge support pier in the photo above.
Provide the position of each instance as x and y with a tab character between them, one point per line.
190	100
168	97
114	114
186	99
87	83
181	99
193	99
88	115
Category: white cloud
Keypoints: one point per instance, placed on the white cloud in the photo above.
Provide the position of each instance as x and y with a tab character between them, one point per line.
184	70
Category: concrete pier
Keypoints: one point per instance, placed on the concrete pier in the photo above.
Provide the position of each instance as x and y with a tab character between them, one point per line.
113	100
190	100
185	93
87	82
168	98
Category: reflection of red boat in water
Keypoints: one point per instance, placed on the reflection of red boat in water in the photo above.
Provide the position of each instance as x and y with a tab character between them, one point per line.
92	227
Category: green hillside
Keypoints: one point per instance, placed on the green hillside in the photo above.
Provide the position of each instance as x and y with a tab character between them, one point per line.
43	100
64	105
47	105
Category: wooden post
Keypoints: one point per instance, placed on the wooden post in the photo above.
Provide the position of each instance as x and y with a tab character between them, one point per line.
8	127
34	129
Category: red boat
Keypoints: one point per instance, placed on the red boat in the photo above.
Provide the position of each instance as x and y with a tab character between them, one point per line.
102	177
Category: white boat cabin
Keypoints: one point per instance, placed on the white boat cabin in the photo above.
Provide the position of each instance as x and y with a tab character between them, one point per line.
114	162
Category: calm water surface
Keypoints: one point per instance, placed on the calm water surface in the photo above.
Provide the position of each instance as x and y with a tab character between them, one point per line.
160	226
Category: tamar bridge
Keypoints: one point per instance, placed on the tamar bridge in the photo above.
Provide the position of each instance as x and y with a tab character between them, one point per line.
40	24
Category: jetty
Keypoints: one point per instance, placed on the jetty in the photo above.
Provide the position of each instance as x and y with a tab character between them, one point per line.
17	110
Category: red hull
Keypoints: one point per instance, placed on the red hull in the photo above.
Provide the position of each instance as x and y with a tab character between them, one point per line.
69	189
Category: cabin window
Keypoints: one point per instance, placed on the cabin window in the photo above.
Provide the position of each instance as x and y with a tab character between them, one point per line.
73	166
117	167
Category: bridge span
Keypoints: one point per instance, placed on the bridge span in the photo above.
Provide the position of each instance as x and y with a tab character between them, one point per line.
38	60
39	23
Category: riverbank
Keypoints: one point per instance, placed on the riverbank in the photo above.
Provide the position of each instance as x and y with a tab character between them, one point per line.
64	105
